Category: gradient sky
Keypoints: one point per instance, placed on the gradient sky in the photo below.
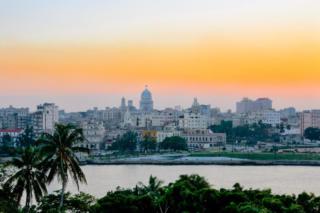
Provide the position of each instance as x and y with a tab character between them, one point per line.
81	53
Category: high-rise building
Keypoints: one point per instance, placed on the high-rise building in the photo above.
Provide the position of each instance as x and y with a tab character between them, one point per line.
123	106
247	105
244	106
262	104
146	102
45	118
310	118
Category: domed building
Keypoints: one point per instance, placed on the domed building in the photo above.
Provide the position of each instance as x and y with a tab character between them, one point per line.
146	102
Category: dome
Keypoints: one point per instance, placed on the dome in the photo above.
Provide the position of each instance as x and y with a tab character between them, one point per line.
146	95
146	102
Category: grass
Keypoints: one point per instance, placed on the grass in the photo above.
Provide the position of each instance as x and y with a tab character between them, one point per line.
260	156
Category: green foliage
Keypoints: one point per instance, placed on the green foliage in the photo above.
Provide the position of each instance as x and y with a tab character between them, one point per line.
27	138
60	150
124	201
312	134
190	193
148	144
7	201
128	142
28	176
194	194
78	203
6	140
7	145
174	143
250	133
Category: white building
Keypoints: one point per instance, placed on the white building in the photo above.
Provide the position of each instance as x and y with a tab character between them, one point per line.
94	133
203	139
194	121
163	134
45	118
154	119
265	116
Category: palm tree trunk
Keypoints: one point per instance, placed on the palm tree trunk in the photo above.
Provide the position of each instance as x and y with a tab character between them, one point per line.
64	182
28	197
62	194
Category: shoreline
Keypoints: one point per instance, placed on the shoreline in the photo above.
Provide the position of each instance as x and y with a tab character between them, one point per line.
238	162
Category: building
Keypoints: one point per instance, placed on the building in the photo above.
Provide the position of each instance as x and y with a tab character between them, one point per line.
14	118
123	106
288	112
310	118
169	130
131	107
247	105
203	139
13	134
112	116
94	134
271	117
262	104
192	120
146	102
45	118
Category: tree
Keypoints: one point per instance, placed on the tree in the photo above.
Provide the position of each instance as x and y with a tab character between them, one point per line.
27	138
7	202
128	142
153	187
60	148
6	140
312	133
148	143
29	176
77	203
174	143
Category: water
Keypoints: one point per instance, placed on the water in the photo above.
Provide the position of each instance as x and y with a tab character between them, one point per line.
281	179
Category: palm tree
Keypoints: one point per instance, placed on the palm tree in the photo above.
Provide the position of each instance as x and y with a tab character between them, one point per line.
62	162
153	187
28	177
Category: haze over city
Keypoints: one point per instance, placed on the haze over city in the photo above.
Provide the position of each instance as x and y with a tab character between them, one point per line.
94	53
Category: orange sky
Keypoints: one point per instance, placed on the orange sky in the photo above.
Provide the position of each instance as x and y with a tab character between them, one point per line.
206	49
212	62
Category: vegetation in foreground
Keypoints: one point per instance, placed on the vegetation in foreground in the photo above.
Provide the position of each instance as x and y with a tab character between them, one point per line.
187	194
51	156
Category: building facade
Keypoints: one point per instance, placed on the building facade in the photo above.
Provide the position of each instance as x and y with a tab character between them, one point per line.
94	134
45	118
247	105
310	118
192	120
203	139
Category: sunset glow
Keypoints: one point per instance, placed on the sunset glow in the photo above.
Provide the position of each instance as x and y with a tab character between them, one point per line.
239	56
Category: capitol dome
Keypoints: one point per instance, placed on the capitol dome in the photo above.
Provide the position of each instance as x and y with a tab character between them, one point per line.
146	102
146	94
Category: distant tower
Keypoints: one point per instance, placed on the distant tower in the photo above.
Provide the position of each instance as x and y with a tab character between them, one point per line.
146	102
195	108
123	104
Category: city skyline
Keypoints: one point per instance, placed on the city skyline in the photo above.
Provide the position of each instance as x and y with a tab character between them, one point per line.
217	51
137	103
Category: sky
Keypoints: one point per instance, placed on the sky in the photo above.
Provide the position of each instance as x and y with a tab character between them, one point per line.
81	54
